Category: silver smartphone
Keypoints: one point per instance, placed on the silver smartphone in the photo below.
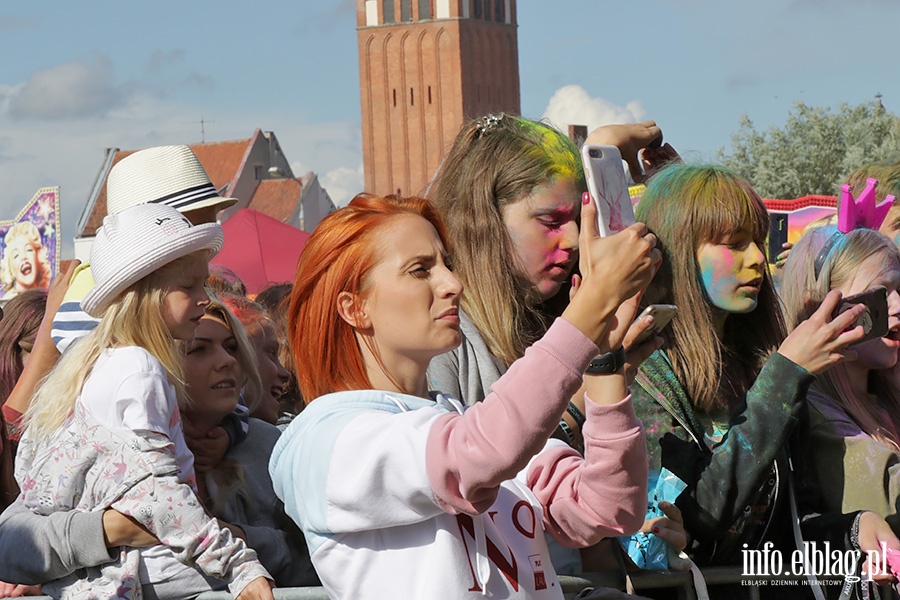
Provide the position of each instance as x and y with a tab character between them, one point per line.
662	314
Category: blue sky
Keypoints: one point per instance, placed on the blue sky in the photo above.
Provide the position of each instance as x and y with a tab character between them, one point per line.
78	77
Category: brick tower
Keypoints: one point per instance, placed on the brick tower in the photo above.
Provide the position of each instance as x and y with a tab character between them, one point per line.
425	66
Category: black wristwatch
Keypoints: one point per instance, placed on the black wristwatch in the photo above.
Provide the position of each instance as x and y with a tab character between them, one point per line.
607	363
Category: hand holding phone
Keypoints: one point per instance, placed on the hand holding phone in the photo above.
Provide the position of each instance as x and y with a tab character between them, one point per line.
875	320
662	314
606	182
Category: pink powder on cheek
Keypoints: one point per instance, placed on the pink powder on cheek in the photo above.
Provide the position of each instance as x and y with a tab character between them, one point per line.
718	271
722	264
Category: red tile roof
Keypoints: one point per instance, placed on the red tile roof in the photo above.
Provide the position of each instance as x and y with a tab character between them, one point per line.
276	198
222	161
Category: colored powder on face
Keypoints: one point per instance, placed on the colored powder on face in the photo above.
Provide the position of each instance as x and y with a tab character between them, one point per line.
719	274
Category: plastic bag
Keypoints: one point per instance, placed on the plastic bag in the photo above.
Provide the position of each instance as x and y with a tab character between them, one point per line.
647	550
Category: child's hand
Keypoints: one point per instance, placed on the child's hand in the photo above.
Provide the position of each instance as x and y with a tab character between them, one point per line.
14	590
258	589
670	527
208	449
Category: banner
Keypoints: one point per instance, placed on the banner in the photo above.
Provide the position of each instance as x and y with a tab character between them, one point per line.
790	219
29	245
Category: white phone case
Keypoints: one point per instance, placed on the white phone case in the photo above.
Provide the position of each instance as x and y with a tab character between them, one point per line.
606	183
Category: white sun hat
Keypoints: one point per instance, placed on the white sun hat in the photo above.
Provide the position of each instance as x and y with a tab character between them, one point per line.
170	175
137	241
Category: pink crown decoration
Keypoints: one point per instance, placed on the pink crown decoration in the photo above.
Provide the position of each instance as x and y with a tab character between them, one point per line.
862	211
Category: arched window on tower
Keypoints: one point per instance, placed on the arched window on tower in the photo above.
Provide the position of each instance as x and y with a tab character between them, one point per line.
406	10
498	11
479	9
388	11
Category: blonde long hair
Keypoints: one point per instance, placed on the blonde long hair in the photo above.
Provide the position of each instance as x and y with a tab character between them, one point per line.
802	293
229	475
135	318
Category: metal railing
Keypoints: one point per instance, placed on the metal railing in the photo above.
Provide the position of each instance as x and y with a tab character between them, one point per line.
572	585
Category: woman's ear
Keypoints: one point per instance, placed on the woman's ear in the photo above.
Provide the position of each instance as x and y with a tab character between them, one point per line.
351	307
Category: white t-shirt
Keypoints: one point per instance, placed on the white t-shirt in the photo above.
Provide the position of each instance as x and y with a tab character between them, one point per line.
129	389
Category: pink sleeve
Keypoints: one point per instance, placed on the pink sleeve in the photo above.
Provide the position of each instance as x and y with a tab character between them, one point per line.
603	494
468	456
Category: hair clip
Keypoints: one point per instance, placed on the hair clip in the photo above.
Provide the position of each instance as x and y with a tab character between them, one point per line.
858	213
487	123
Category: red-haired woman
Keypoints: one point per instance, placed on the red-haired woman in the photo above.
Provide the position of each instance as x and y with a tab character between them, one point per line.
403	494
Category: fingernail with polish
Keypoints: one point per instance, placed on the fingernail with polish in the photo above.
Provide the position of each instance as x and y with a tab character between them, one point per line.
585	198
656	530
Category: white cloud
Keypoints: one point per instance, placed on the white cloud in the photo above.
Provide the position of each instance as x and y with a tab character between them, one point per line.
572	105
343	183
68	91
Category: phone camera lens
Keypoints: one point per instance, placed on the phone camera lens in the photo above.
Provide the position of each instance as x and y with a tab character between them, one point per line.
594	153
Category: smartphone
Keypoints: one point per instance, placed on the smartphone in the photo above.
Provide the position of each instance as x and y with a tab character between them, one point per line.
606	182
662	314
875	320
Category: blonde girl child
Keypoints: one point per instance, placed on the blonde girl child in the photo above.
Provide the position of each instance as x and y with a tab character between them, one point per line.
853	462
104	429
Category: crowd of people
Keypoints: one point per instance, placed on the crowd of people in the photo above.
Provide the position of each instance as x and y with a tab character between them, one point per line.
455	396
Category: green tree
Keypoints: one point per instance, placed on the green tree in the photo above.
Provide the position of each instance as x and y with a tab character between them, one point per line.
815	150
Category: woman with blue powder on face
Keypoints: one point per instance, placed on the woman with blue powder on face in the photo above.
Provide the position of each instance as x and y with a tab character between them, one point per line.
719	403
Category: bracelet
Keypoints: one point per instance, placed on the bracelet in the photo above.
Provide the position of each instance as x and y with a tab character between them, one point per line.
607	363
576	414
854	531
567	432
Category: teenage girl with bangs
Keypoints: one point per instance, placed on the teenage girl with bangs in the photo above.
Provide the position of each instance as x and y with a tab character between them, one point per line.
719	402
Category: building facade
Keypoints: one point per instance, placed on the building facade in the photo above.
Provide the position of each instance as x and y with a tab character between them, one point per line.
425	67
253	170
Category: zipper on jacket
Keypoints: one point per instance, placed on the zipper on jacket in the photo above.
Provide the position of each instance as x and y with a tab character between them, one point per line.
774	502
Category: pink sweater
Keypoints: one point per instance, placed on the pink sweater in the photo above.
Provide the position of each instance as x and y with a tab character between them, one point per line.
601	495
406	497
